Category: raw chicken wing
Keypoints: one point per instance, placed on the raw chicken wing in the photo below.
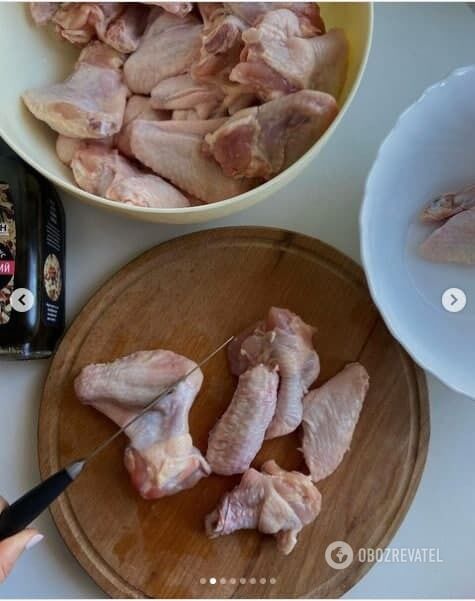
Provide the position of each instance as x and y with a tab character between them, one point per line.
177	156
125	33
330	415
449	205
168	48
90	103
245	146
238	436
42	12
272	501
453	242
299	366
285	341
160	458
105	172
308	13
182	92
138	107
80	22
176	8
278	60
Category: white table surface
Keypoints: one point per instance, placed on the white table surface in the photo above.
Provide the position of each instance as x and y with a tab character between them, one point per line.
414	45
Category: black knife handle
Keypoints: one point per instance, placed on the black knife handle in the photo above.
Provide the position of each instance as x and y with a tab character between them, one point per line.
22	512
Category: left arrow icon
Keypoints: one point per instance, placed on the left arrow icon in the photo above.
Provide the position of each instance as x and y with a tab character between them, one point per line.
22	300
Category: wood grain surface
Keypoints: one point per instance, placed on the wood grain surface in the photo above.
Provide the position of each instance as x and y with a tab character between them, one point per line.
189	295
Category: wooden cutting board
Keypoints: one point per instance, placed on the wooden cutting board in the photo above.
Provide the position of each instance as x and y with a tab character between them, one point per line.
189	295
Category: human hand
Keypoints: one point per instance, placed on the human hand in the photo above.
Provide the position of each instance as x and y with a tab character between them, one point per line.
11	548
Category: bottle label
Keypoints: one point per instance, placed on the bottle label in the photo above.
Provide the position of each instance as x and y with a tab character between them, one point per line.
53	267
7	251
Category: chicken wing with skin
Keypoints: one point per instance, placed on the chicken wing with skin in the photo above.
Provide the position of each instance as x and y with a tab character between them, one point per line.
330	415
182	92
176	154
168	47
160	458
90	103
449	204
277	59
125	33
103	171
80	22
245	146
285	341
452	242
238	436
138	107
272	501
308	13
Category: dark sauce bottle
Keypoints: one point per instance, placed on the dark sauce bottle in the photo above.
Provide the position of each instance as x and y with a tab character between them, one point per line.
32	261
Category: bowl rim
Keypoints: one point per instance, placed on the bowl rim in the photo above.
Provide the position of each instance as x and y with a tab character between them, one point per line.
264	188
390	319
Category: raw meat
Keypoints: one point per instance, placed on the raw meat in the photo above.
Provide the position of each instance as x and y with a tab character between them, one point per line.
299	366
90	103
272	501
285	341
238	436
221	45
177	156
176	8
168	48
67	147
449	205
245	146
182	92
453	242
330	415
278	60
125	33
160	458
80	22
138	107
308	13
42	12
103	171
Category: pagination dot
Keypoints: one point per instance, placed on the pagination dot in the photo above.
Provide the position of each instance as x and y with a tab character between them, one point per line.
272	580
252	581
203	581
212	580
242	580
232	581
262	581
222	581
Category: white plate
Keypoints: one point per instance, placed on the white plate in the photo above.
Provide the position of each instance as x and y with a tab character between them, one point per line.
431	150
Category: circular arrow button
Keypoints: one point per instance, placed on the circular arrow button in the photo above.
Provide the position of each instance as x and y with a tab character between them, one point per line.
454	300
22	300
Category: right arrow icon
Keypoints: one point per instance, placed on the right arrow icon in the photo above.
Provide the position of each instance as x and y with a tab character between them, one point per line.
454	300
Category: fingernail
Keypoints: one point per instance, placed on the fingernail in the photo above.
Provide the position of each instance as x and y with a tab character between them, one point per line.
34	540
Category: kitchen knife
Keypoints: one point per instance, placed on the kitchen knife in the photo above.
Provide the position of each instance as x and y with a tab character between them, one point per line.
22	512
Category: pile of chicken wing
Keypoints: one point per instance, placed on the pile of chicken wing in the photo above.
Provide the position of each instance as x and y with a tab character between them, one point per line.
276	364
179	104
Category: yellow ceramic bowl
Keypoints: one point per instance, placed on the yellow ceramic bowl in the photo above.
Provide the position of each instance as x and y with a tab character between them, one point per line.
32	56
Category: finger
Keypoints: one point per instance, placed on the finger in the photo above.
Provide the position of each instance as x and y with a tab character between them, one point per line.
11	548
3	503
